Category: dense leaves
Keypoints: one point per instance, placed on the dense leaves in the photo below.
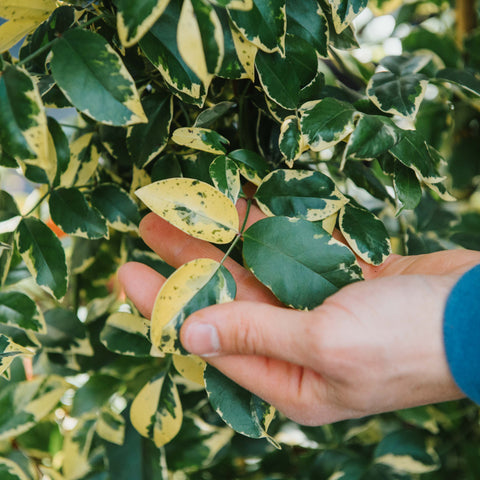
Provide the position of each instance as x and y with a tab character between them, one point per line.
185	108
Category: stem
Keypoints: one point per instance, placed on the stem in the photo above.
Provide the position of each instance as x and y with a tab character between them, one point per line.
239	235
42	198
465	16
51	42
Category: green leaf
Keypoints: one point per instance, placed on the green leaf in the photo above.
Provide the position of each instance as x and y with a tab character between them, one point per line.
298	260
9	350
210	115
401	90
307	20
66	334
299	194
160	47
234	4
43	254
252	165
61	148
197	445
465	79
18	310
9	470
414	153
202	139
156	412
127	334
135	19
23	404
407	451
236	406
8	206
284	75
83	61
94	394
373	136
407	186
195	285
326	122
71	212
264	24
344	12
226	177
365	233
116	205
146	141
23	123
195	207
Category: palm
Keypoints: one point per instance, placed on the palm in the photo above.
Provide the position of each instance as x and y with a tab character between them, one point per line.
344	359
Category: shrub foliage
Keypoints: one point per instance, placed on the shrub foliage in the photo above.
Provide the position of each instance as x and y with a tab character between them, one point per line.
114	108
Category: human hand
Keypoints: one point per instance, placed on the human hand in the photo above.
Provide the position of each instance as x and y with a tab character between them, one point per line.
372	347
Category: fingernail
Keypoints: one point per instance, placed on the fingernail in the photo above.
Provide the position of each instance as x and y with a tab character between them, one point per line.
202	339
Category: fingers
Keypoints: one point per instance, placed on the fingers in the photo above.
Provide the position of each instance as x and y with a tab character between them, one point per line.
251	328
141	284
178	248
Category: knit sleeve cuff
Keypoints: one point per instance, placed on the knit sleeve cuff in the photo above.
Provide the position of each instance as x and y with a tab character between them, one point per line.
461	331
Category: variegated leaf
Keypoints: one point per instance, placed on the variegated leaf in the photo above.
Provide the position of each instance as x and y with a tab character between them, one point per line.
18	310
83	60
9	350
43	254
111	426
225	175
326	122
298	260
264	24
135	19
195	285
365	233
407	186
246	52
127	334
156	412
290	140
160	47
234	4
299	194
345	11
200	39
252	166
193	206
465	79
202	139
9	470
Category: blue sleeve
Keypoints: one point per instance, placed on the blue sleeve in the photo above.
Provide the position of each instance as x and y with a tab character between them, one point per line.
461	331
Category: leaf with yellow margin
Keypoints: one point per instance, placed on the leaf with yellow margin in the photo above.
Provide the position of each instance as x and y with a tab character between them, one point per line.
190	367
195	285
193	206
200	139
156	412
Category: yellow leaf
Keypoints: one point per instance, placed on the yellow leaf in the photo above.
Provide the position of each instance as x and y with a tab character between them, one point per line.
200	138
156	412
190	367
246	52
193	206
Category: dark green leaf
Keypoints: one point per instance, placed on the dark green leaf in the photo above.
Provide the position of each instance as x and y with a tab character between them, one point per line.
8	206
373	136
264	25
83	61
92	396
407	186
252	165
17	309
465	79
299	194
43	254
116	206
344	12
298	260
365	233
146	141
210	115
62	148
71	212
326	122
284	75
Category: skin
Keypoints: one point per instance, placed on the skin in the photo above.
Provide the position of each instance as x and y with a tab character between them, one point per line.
374	346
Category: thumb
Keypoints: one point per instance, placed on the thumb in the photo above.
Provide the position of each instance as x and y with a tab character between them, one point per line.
250	328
